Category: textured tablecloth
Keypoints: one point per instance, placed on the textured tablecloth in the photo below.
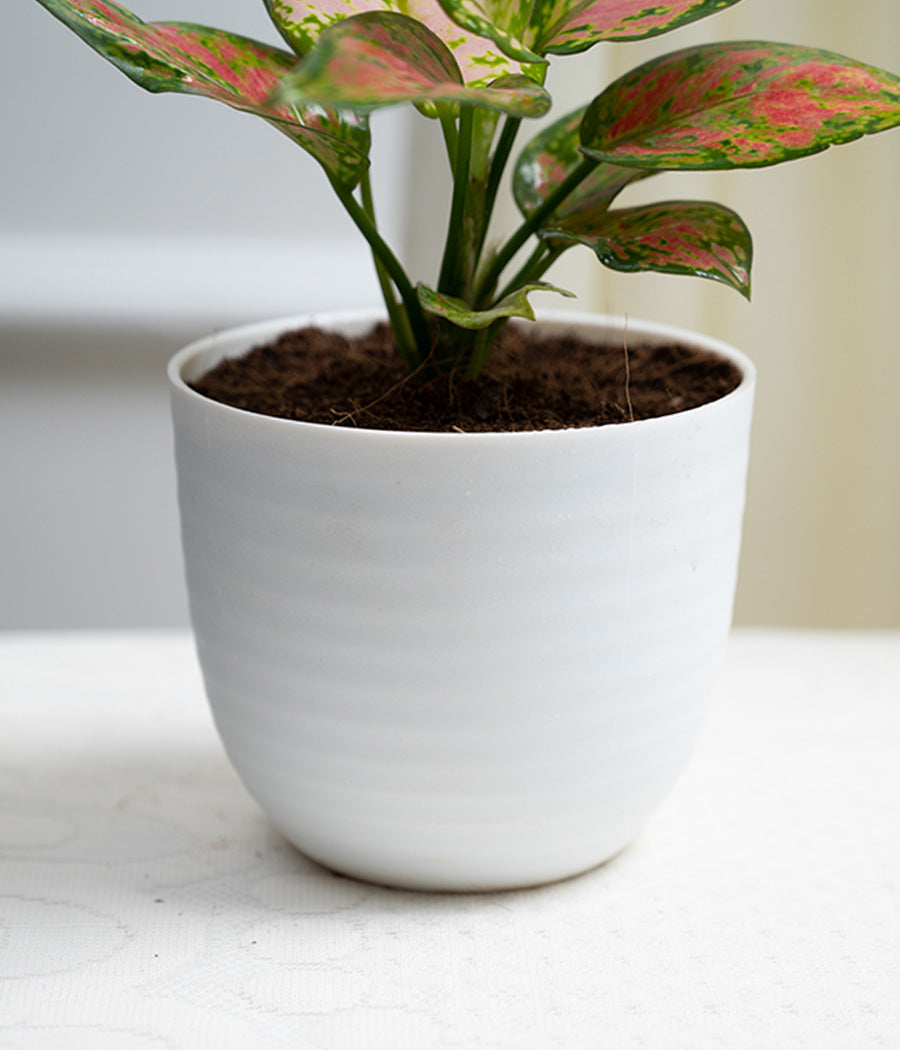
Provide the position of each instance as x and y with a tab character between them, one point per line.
146	903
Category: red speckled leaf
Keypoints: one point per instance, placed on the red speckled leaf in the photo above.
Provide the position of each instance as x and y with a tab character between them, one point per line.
526	29
242	73
738	105
548	159
682	237
381	58
572	27
302	22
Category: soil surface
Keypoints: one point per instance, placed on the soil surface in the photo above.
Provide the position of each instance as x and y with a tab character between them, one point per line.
529	384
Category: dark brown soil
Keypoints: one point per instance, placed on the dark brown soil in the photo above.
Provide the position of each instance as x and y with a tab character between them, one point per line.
529	384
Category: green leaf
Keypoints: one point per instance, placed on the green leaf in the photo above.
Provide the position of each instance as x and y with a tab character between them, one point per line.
550	156
702	239
738	105
458	312
381	58
242	73
302	22
528	29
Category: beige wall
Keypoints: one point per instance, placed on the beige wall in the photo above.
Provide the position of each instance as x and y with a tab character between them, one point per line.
822	535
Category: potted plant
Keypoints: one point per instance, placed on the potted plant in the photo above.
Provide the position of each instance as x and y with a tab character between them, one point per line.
479	660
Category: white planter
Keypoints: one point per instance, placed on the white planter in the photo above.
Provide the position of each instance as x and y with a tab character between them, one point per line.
459	661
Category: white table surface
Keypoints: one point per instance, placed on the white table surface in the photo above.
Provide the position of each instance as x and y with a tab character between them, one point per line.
146	903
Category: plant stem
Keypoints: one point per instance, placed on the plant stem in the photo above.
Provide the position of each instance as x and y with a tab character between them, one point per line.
412	355
498	166
396	313
540	260
448	126
450	266
531	224
481	348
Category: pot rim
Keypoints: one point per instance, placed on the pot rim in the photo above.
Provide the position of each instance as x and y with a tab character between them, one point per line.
259	331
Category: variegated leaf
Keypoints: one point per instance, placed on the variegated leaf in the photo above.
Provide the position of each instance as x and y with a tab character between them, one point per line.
550	156
681	237
738	105
381	58
530	29
242	73
460	313
302	22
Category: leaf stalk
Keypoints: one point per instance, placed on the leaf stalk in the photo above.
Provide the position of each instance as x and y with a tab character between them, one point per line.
413	354
449	280
398	317
533	223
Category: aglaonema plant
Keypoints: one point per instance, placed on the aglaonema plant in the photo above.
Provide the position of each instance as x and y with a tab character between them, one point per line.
477	68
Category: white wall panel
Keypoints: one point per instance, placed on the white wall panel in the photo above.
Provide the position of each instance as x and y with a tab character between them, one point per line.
129	225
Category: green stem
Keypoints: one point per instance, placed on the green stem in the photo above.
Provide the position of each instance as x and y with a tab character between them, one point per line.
481	348
415	354
449	280
498	166
531	224
539	262
448	126
399	320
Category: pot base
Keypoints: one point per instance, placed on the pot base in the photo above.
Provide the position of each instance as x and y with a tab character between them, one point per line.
500	837
404	880
446	875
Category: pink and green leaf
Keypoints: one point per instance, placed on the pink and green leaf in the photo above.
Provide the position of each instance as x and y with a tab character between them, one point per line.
242	73
701	239
505	22
529	29
381	58
458	312
550	156
738	105
302	22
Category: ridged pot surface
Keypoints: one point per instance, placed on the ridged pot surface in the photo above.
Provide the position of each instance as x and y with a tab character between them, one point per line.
459	661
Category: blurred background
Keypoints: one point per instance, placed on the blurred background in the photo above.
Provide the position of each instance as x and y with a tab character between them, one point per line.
131	224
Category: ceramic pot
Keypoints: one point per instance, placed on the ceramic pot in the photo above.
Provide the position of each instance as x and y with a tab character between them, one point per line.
459	661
